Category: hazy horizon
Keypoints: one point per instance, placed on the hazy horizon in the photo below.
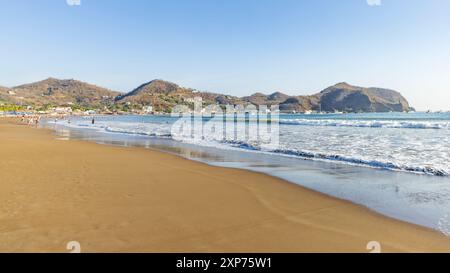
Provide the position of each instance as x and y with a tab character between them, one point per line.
233	47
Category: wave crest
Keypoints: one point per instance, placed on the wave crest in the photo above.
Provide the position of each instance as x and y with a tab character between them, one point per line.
369	123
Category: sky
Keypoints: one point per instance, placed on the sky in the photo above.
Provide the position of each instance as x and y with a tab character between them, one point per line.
236	47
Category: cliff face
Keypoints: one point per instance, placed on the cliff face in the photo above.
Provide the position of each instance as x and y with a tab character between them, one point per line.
345	97
163	96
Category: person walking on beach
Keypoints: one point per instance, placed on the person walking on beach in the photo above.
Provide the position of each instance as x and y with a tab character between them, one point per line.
37	120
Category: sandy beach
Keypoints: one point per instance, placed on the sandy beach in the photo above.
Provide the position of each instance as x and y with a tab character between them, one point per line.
114	199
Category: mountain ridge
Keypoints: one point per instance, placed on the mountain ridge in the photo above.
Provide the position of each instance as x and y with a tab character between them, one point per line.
163	95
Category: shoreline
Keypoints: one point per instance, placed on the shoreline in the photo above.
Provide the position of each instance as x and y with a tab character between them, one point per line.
108	198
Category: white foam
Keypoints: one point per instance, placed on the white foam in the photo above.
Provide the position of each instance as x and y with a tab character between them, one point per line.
369	123
385	144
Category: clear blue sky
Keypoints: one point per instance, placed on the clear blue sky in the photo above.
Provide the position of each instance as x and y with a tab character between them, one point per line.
232	46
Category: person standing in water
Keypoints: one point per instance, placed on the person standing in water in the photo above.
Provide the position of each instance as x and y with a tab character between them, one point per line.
93	120
37	120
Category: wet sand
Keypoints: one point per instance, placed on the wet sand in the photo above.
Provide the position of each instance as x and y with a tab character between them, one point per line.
113	199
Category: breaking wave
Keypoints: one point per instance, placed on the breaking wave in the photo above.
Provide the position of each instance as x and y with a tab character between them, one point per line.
369	123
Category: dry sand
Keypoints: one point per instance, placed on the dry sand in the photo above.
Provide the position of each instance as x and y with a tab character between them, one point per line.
114	199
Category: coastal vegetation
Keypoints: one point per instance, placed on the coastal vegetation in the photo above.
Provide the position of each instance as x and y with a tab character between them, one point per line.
4	107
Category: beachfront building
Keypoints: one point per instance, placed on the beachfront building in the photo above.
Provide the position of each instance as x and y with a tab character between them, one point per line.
189	100
63	110
147	109
90	112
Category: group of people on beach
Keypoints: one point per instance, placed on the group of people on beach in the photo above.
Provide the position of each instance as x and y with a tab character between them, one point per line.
34	120
31	120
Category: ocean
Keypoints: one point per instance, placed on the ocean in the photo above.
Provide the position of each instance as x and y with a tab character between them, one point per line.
397	164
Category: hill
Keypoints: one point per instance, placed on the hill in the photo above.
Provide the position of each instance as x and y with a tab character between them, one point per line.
4	96
164	95
62	92
345	97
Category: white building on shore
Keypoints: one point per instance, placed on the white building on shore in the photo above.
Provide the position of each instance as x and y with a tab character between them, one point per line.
147	109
